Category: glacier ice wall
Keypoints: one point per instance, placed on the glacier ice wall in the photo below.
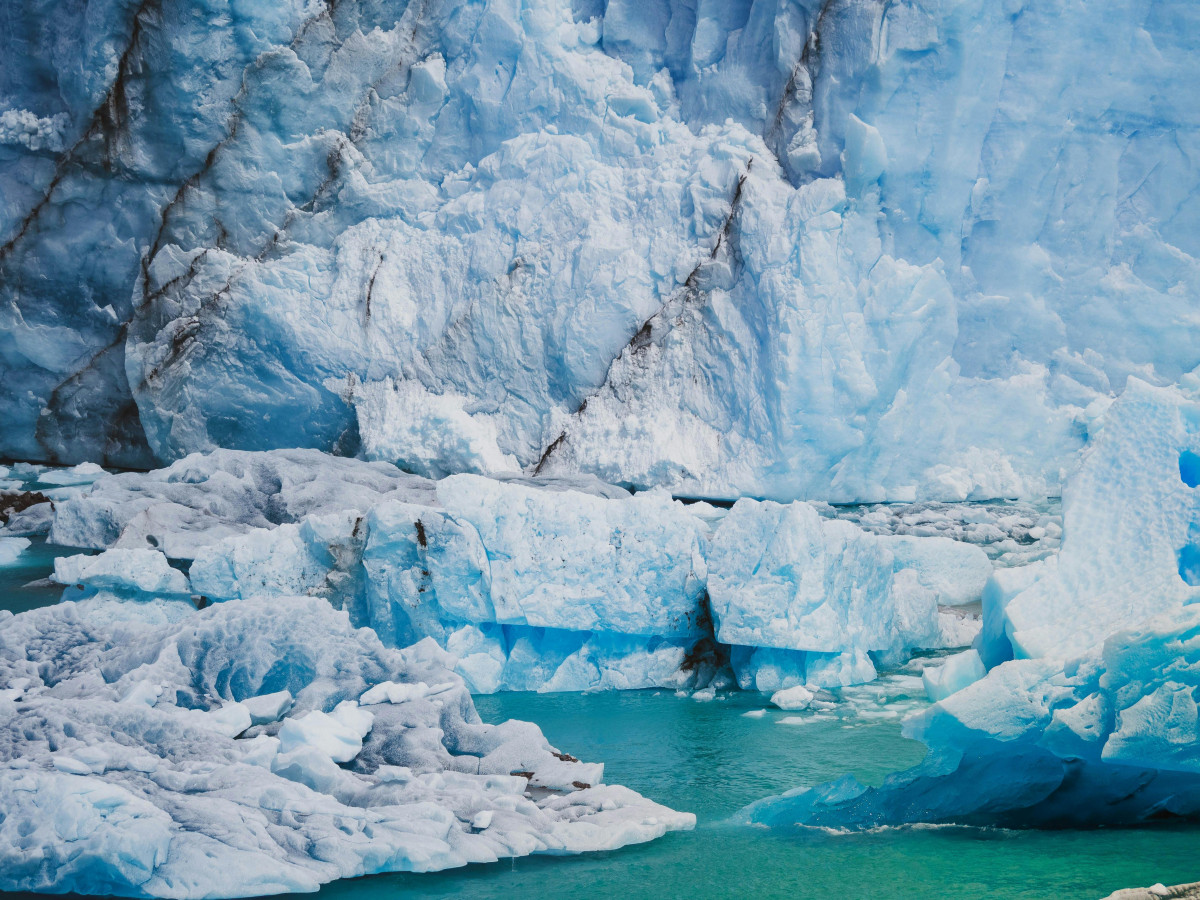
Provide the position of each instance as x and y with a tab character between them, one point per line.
744	248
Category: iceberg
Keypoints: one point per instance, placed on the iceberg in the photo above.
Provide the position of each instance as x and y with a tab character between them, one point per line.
833	597
11	549
1087	713
236	751
138	571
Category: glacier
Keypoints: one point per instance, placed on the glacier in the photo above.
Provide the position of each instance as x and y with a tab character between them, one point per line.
360	355
729	249
257	679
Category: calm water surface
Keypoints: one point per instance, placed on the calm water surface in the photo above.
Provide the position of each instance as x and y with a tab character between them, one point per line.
709	759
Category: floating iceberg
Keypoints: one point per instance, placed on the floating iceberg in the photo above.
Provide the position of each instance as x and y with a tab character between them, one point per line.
263	746
1088	715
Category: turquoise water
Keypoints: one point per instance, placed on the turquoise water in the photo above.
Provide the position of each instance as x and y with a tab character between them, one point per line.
17	593
709	759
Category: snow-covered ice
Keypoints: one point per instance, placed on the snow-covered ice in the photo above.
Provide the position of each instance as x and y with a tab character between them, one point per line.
204	497
140	571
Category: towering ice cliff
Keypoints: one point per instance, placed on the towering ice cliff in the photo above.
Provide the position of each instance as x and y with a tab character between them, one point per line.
727	248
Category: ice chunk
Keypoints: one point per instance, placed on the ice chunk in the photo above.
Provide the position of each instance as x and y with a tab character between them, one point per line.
84	473
768	669
579	562
403	799
313	557
268	707
340	740
955	571
953	675
145	571
792	698
834	669
11	549
231	719
784	577
1129	521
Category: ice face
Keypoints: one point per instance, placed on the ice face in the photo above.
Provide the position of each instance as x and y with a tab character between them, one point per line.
568	560
784	577
749	249
1118	568
207	754
11	549
1088	713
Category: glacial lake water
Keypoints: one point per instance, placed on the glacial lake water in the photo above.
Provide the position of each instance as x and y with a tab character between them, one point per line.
708	758
711	759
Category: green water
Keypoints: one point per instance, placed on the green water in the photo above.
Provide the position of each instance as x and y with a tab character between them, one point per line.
709	759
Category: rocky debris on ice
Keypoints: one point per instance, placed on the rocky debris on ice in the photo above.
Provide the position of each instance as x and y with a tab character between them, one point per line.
265	746
1087	714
